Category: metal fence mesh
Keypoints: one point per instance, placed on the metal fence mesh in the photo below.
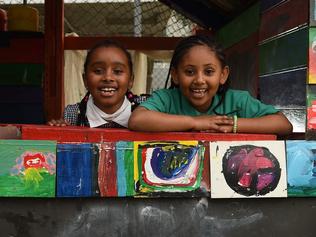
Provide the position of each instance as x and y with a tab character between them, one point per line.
119	18
116	17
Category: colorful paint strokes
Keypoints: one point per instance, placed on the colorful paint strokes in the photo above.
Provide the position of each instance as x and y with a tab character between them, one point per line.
115	169
168	166
27	168
312	56
301	167
248	169
311	112
104	169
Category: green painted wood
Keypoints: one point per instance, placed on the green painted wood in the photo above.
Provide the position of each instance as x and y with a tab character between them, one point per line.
287	52
239	28
21	74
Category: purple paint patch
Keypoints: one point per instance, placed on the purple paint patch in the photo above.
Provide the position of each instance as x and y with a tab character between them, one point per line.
251	170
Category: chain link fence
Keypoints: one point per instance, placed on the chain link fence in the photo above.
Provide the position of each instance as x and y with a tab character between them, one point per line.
133	18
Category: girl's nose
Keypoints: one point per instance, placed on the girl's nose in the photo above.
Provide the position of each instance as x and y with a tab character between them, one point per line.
199	78
108	76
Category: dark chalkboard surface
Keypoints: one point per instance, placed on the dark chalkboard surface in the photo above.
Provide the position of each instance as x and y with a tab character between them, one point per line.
157	217
286	89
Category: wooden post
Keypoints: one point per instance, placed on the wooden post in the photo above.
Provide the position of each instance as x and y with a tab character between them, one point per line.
54	59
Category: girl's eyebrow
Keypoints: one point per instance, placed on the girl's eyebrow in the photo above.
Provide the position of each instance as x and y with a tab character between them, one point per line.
120	64
103	63
208	64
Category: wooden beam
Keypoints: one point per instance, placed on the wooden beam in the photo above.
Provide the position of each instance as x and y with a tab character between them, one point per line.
18	53
133	43
85	134
54	59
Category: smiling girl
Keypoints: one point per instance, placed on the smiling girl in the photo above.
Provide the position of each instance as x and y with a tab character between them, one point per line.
108	76
199	98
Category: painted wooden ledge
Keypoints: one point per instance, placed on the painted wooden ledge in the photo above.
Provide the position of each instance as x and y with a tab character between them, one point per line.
83	134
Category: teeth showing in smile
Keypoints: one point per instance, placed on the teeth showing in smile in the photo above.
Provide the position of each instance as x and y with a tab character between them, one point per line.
108	89
198	93
198	90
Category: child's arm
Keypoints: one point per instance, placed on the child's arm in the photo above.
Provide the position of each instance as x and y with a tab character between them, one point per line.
143	119
271	124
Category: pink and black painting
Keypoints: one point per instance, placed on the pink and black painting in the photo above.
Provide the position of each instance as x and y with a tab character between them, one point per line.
248	169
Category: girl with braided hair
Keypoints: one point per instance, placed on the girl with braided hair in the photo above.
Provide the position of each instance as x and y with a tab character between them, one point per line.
199	98
108	77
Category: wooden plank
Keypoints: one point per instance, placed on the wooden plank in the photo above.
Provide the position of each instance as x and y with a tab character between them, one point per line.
272	88
243	61
54	59
133	43
26	106
283	17
107	174
21	74
239	28
23	51
84	134
266	5
292	47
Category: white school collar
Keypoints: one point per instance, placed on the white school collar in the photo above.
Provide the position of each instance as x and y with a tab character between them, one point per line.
97	117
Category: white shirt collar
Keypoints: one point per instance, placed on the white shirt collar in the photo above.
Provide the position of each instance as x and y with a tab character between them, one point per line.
97	117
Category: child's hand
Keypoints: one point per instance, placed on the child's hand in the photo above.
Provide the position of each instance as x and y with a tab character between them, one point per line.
214	123
58	123
10	132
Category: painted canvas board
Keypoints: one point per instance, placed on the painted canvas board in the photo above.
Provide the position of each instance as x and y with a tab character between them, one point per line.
310	112
116	169
241	169
77	170
163	168
27	168
312	56
301	168
312	13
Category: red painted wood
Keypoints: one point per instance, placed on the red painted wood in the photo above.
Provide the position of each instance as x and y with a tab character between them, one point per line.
83	134
283	17
206	178
244	57
23	51
54	59
107	170
135	43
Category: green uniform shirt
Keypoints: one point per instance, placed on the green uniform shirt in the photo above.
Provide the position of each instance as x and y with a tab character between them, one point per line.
236	102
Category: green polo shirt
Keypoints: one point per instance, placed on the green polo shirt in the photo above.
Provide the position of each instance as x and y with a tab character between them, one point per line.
236	102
